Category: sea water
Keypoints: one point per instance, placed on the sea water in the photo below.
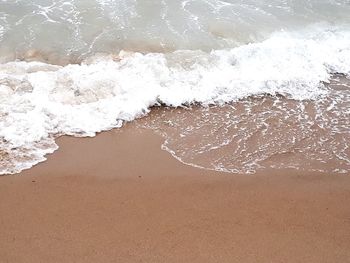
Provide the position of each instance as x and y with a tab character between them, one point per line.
254	84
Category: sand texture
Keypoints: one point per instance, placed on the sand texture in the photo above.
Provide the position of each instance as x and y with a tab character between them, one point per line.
119	198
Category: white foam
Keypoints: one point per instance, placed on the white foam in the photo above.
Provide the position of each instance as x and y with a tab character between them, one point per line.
39	101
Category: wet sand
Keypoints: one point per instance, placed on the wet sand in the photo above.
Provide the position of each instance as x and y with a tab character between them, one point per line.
119	198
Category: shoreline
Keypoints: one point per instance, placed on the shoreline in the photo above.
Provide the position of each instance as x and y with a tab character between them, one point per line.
119	197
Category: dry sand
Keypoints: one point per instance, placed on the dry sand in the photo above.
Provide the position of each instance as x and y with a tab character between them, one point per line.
119	198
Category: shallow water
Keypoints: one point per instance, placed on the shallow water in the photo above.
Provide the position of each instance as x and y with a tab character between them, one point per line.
261	132
76	29
271	79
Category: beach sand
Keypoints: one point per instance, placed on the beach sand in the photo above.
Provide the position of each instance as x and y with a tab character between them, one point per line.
118	197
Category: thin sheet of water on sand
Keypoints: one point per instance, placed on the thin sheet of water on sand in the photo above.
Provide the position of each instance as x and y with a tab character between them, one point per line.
261	132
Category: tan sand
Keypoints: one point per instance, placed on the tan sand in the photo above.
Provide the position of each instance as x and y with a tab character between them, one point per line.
119	198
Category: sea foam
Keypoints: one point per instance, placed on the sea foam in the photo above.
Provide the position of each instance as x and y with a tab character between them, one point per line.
39	101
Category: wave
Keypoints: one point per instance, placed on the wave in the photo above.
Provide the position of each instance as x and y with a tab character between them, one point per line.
40	101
